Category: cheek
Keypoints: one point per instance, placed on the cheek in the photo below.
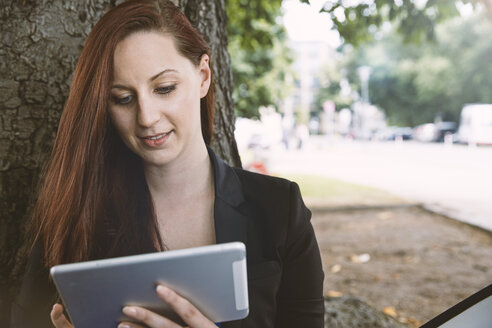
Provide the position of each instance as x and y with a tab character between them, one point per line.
186	108
120	121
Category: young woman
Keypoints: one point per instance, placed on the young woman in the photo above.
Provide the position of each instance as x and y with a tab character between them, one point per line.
131	172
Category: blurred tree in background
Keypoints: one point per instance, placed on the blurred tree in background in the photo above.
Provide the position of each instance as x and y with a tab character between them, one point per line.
446	65
259	54
334	86
415	20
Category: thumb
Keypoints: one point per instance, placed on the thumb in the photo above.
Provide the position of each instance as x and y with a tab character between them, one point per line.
58	318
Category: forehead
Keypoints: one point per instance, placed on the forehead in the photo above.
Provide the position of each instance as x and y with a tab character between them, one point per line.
142	54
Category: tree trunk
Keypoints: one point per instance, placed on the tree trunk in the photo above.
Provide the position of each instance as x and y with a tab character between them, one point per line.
39	46
209	17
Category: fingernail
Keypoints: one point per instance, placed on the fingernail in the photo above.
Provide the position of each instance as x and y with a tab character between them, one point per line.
162	290
130	311
53	314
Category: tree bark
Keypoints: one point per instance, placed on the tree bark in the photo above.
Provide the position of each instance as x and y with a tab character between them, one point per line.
40	42
209	17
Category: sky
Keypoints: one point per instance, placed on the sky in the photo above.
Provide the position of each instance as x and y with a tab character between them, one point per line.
304	22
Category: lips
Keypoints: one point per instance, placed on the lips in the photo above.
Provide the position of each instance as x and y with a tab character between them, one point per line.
157	139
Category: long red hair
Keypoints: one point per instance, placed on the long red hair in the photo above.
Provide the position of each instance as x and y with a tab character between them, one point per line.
94	201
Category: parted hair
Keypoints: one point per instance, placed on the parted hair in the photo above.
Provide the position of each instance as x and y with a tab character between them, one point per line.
93	199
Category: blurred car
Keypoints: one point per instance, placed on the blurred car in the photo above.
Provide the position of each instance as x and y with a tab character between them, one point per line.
403	133
425	132
434	132
476	124
443	129
394	133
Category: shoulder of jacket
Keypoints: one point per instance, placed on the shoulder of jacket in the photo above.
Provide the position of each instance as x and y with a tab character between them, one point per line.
268	192
249	178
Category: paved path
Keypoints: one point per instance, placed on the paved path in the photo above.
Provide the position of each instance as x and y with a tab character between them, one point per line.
452	179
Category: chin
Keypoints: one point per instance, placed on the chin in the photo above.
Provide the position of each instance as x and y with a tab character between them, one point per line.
159	158
157	161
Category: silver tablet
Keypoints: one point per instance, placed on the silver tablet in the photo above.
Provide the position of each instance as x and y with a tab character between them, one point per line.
212	277
473	312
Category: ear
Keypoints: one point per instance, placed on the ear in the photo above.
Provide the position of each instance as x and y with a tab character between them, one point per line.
205	74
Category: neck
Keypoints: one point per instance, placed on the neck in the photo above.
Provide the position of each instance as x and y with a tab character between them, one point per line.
183	179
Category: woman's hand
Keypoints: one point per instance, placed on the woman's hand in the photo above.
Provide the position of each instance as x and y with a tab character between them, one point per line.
187	311
58	318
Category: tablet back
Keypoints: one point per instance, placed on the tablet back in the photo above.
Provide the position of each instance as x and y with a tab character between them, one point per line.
473	312
212	277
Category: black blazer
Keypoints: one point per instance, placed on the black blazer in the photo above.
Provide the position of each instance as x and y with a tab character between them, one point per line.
285	277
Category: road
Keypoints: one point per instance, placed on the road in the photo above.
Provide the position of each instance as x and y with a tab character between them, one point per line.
454	180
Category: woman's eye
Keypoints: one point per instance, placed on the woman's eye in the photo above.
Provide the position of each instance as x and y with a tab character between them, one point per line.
123	100
165	90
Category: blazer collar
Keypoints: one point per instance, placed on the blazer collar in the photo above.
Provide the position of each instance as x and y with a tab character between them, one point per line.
227	184
230	223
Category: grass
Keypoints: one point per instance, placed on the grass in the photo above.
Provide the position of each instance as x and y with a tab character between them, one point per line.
333	192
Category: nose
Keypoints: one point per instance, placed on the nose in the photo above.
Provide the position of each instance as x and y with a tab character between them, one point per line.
147	113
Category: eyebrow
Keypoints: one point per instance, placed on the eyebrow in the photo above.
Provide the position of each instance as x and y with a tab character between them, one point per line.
120	86
162	73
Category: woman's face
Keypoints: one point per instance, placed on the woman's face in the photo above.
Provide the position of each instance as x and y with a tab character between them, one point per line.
155	98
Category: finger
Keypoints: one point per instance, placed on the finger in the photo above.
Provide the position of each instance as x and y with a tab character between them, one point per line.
125	324
58	318
150	318
187	311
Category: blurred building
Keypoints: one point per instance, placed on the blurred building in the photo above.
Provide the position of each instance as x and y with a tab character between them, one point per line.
309	58
367	120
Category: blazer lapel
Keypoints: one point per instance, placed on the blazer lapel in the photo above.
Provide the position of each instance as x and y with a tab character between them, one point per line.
230	223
